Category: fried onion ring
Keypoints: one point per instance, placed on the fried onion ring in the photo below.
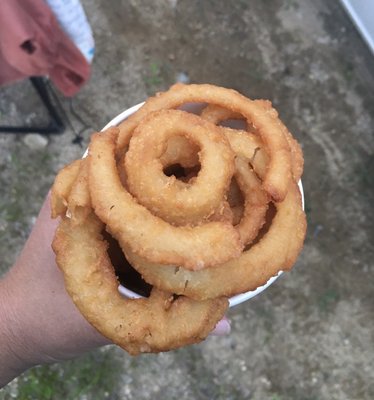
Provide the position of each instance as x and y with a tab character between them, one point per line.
297	158
278	175
62	187
79	202
169	198
157	323
255	202
253	268
217	115
256	265
201	210
136	227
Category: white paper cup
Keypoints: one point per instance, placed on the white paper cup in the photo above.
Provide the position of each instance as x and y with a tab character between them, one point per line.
233	301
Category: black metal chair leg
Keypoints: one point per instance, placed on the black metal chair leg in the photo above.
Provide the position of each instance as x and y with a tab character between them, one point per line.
56	124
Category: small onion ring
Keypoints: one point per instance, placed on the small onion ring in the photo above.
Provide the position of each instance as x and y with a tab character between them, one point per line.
134	226
246	146
278	175
175	201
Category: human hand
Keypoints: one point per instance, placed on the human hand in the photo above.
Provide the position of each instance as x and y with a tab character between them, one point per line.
39	322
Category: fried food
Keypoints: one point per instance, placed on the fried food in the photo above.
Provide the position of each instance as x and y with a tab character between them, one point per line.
158	323
276	251
219	115
269	128
201	210
165	196
136	227
62	187
255	201
79	201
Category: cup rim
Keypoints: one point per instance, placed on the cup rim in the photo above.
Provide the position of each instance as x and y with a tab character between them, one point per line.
234	300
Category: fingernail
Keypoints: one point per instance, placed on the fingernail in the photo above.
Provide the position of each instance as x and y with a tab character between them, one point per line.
222	328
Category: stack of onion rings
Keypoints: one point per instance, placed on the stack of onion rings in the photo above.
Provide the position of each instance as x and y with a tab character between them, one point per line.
187	199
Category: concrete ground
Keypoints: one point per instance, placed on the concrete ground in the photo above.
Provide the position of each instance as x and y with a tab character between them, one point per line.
311	335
